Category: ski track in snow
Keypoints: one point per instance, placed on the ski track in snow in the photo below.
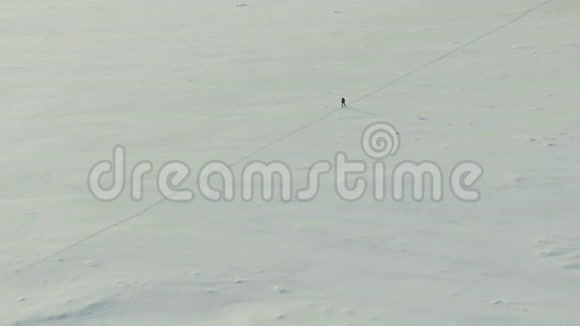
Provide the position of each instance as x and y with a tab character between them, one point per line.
487	81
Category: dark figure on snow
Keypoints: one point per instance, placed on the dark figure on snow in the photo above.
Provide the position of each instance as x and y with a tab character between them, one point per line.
343	101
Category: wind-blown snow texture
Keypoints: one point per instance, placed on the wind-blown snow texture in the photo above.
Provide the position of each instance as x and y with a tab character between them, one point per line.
218	80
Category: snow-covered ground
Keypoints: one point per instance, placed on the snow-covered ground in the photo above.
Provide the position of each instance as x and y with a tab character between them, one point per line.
492	81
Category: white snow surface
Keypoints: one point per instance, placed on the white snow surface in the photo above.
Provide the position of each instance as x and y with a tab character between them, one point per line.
496	82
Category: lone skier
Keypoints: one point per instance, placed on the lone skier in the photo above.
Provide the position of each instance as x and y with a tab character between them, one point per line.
343	101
